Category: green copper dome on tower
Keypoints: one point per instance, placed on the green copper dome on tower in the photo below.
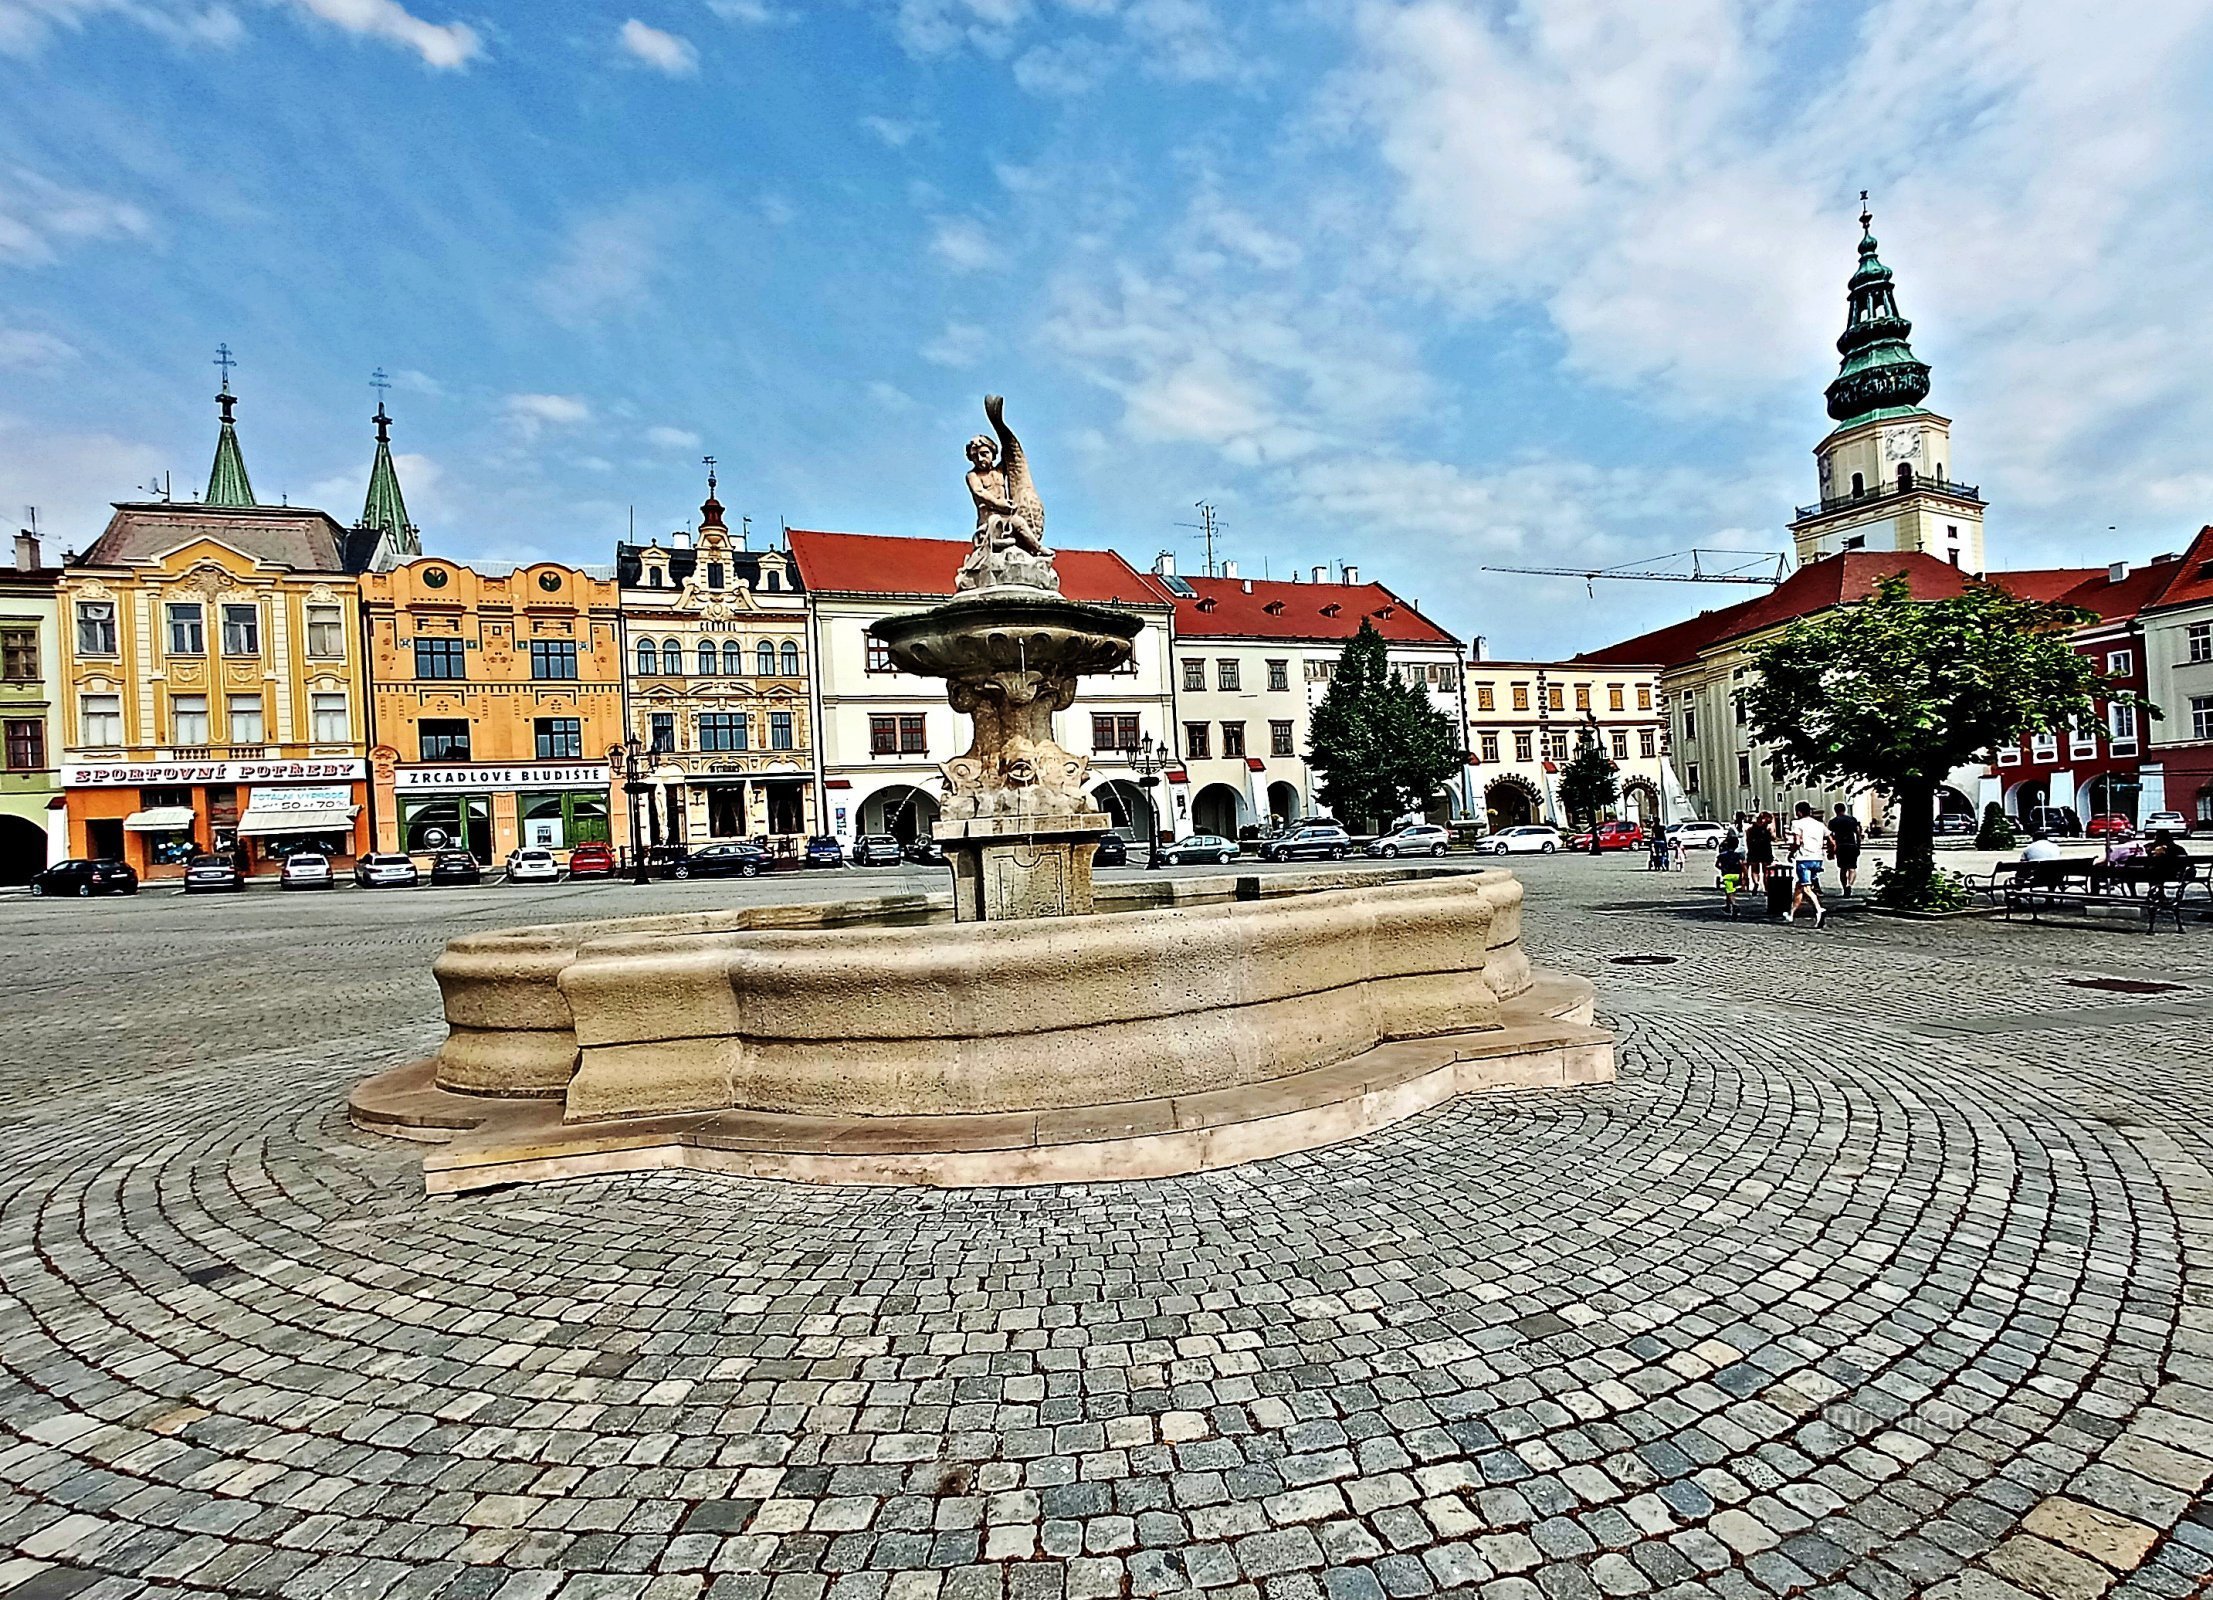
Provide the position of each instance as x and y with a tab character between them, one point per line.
227	483
1879	371
384	512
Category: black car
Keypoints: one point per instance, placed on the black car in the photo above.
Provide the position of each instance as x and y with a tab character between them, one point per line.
455	866
710	861
877	850
823	851
1321	840
1113	851
926	852
84	878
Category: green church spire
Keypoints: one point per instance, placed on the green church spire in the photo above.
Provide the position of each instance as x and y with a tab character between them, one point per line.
227	483
384	512
1879	371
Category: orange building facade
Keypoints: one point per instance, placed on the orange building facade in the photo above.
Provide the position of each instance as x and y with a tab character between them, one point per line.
495	700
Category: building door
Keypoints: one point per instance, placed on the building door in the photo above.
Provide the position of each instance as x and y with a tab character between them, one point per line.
104	838
787	806
726	810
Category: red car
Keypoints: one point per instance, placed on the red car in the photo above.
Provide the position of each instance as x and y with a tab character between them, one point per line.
1611	836
2112	825
592	861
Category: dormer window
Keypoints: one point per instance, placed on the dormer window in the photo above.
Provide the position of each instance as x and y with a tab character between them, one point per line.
1274	608
1332	609
1206	605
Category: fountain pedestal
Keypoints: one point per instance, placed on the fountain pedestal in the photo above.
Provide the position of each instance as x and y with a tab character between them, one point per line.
1008	867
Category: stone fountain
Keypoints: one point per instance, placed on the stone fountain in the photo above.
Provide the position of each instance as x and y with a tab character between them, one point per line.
1030	1028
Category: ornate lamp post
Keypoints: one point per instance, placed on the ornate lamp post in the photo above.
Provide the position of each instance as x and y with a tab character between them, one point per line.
1149	761
624	759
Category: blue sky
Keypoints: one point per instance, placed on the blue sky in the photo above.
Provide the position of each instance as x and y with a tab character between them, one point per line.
1419	284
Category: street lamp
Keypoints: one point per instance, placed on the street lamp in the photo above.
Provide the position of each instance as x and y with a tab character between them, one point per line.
1149	761
624	759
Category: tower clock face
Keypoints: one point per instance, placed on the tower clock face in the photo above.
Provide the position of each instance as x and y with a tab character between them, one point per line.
1901	444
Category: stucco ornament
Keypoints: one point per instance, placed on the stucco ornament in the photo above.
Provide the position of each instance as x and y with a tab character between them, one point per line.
1010	550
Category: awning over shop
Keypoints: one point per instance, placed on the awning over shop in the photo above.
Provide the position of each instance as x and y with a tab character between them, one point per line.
261	822
160	819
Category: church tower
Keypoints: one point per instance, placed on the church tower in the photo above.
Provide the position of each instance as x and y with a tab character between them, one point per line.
227	483
1886	479
383	535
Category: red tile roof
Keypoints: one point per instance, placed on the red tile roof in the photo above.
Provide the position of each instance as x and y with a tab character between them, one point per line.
869	563
1262	608
2189	582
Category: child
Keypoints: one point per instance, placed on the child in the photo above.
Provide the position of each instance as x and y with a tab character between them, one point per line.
1729	863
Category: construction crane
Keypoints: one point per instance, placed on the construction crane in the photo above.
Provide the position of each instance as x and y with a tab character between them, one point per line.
1735	566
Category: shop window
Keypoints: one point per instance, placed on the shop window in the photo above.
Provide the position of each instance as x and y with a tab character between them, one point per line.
672	659
1194	675
327	722
553	658
1233	740
726	810
101	718
440	658
187	629
96	627
787	657
1488	746
559	738
443	738
447	823
764	659
1198	744
561	821
19	655
188	719
649	658
246	724
242	630
733	658
26	744
1280	743
725	730
326	631
707	658
1279	676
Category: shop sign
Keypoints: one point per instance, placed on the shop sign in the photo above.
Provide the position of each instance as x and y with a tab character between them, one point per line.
295	798
564	775
177	774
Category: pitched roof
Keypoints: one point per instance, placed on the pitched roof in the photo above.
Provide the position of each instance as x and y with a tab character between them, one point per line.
227	483
683	561
1262	608
298	537
869	563
2188	582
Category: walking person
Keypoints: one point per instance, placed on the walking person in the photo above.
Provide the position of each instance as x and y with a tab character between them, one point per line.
1845	830
1810	846
1759	850
1729	869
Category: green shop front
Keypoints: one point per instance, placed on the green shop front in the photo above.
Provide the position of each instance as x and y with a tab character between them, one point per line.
491	809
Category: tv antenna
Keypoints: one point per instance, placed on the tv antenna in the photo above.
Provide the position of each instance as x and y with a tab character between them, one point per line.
1208	526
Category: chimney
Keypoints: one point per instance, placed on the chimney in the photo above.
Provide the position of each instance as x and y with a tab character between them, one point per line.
1248	584
680	539
1164	564
26	551
1229	569
1320	574
1352	574
1479	649
2116	572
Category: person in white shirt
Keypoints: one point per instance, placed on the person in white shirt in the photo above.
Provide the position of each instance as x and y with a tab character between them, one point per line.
1810	844
2041	848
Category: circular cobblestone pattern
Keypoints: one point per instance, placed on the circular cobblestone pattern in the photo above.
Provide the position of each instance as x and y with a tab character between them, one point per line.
1879	1272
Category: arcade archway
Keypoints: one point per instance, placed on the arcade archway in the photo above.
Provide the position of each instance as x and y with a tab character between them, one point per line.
1510	802
22	849
1217	809
1130	807
1283	803
901	810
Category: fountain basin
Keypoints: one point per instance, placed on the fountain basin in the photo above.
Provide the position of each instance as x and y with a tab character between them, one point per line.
870	1042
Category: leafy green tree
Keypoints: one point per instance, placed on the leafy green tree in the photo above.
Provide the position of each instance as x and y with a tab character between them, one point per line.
1381	748
1590	783
1897	692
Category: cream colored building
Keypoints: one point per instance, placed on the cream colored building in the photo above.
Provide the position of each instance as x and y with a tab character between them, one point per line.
1526	720
883	734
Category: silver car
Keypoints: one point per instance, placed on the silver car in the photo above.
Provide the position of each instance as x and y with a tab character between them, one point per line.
1199	847
307	871
386	871
533	866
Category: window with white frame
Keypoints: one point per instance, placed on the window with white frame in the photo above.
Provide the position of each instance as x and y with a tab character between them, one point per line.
2082	740
2120	721
188	719
245	719
242	630
96	627
326	631
327	718
2201	716
2199	635
2119	663
100	717
2044	747
187	628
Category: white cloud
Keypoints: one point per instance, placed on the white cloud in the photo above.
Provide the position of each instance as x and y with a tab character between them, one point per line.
895	132
753	13
39	218
962	344
664	52
608	261
27	25
965	246
663	437
444	45
72	477
410	381
531	414
29	350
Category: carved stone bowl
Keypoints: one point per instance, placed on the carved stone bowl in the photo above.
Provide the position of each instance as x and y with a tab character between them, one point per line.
1009	630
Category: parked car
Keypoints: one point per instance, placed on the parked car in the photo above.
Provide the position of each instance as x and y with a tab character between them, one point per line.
2109	825
307	870
2058	821
1534	838
823	851
877	850
1113	851
735	859
1323	841
592	861
212	874
1619	835
532	866
1951	823
926	852
1698	835
455	867
1415	839
386	872
1199	847
84	878
2170	821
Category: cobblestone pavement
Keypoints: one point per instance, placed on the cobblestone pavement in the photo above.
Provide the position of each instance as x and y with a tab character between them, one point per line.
1882	1271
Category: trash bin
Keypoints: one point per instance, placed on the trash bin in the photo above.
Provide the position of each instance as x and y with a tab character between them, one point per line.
1781	882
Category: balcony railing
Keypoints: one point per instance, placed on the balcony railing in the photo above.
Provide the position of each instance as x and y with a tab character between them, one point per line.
1891	490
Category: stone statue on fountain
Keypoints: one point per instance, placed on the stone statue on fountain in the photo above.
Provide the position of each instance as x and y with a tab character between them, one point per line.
1010	551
